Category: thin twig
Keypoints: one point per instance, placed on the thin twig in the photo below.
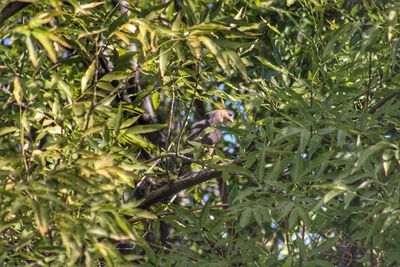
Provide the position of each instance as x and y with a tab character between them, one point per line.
171	114
190	107
376	85
166	213
369	79
289	249
93	103
168	138
93	100
21	68
371	252
26	165
174	155
170	250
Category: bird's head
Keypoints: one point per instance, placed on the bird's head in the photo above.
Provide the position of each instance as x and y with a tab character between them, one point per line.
227	115
220	116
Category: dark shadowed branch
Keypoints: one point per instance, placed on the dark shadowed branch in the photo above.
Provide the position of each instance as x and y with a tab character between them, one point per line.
164	193
10	9
383	101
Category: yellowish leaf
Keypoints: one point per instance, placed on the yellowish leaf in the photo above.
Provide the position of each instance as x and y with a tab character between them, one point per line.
87	77
31	50
18	92
47	44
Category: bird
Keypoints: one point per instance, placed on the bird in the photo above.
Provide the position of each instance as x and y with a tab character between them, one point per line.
212	118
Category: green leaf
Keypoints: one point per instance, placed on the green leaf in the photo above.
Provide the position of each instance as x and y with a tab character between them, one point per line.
304	138
147	128
341	137
115	76
41	217
328	197
164	59
155	100
209	27
105	86
268	64
215	50
237	62
136	139
205	213
141	213
290	2
261	163
118	120
88	76
288	132
194	45
58	39
328	244
304	217
245	217
293	218
31	50
238	169
315	143
66	89
258	213
40	19
45	41
123	225
129	122
18	91
7	130
366	154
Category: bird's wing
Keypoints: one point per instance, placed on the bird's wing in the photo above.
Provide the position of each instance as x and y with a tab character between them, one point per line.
212	137
212	118
199	126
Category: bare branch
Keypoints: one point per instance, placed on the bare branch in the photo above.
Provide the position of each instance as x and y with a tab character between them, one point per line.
171	114
10	9
164	193
383	101
370	88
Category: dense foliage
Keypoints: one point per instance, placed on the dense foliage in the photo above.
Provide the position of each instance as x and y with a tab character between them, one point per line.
95	96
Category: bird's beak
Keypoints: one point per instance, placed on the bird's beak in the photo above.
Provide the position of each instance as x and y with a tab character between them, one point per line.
229	120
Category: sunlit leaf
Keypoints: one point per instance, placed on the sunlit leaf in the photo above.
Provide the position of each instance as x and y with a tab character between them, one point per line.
148	128
18	91
88	76
7	130
47	44
41	217
164	61
31	50
115	75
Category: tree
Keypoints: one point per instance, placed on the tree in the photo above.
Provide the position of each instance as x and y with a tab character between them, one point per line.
98	96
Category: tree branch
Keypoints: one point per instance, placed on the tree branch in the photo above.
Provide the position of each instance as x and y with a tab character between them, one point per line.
10	9
164	193
383	101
